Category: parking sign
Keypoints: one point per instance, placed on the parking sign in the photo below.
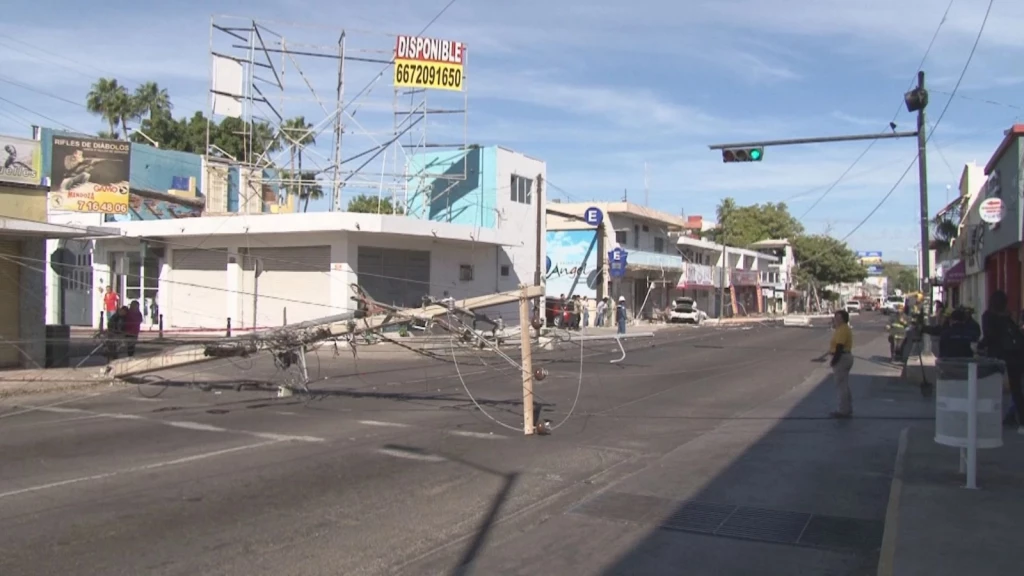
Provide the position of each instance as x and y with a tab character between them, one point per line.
593	216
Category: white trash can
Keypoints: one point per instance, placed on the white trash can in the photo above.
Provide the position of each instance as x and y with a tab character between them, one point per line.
952	402
969	409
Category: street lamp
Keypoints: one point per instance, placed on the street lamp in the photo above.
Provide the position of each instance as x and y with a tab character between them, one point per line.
917	253
145	136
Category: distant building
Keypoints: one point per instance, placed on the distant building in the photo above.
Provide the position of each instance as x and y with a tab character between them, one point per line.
578	254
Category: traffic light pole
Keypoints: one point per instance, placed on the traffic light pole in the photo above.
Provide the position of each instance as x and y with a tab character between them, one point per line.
916	101
818	140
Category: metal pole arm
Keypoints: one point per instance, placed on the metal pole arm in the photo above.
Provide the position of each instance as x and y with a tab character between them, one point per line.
817	140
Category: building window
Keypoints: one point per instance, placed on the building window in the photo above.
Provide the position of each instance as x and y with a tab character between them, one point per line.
636	236
659	245
621	236
521	190
505	271
465	273
646	229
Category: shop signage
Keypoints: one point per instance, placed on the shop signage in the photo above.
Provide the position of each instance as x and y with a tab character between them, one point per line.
991	210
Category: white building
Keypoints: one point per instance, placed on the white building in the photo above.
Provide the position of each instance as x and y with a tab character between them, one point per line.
777	283
467	236
581	250
707	264
966	277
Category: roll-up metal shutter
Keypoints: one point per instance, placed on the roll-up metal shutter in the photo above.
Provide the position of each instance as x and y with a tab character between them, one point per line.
293	279
10	303
198	289
396	277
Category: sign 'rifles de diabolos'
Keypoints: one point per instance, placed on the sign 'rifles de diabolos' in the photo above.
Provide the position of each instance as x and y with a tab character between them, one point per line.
90	175
429	63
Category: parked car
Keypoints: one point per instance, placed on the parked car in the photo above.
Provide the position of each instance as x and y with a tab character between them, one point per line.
685	310
853	306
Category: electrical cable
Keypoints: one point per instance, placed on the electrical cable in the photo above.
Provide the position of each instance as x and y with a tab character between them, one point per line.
896	114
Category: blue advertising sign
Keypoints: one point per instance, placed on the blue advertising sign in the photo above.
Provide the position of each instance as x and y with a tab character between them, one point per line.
617	262
593	216
875	271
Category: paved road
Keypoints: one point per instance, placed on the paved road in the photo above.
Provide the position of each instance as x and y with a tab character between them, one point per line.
391	469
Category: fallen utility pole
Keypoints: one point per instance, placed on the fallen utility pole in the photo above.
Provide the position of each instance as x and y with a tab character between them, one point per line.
817	140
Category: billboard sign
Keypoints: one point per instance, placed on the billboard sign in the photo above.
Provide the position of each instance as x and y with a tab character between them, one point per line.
90	175
869	257
875	270
571	263
22	161
429	63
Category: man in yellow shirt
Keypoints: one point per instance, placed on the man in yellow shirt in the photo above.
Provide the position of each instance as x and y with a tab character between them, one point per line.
841	349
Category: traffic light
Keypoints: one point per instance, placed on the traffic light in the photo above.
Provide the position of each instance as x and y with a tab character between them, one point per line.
743	154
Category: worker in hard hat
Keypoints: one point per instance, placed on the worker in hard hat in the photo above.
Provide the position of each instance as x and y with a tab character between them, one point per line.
897	330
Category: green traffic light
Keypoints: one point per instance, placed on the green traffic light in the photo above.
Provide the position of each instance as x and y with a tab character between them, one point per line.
755	154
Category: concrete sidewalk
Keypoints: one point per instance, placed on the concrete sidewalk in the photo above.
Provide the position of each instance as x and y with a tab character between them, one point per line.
936	527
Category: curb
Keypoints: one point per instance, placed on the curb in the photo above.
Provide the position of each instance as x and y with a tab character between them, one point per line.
887	554
33	387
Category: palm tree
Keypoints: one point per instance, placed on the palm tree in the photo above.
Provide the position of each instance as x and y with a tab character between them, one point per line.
107	99
298	134
152	100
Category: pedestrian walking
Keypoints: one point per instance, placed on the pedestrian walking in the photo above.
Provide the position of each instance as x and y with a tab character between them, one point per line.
602	308
841	349
620	314
585	304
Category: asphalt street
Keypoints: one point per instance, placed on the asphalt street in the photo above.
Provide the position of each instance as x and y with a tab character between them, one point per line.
399	464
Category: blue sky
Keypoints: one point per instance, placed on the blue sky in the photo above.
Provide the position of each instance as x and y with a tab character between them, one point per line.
598	89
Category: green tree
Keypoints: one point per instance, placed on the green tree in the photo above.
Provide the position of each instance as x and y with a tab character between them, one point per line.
373	205
824	260
741	226
296	134
304	186
110	101
151	100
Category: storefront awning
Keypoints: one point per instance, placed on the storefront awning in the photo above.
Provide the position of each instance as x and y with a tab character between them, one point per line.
955	275
19	228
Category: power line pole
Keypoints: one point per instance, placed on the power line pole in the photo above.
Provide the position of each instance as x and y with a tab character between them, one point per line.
918	98
721	287
539	240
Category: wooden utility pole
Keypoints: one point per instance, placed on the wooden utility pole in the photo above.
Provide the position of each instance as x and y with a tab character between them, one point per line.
529	427
538	274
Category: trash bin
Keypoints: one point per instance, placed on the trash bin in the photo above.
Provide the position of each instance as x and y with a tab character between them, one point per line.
58	346
952	402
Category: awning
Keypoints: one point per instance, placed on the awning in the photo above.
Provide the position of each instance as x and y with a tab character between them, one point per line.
20	228
955	275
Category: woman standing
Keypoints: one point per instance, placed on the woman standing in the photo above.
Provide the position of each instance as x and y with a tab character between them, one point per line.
841	349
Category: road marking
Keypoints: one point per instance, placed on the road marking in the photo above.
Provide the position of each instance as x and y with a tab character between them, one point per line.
184	424
379	423
469	434
197	426
144	399
410	455
135	469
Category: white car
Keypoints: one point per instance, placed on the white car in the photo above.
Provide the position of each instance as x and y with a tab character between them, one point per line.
685	310
892	305
853	307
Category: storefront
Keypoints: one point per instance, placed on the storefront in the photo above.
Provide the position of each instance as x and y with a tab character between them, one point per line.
746	293
698	281
952	278
1001	244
